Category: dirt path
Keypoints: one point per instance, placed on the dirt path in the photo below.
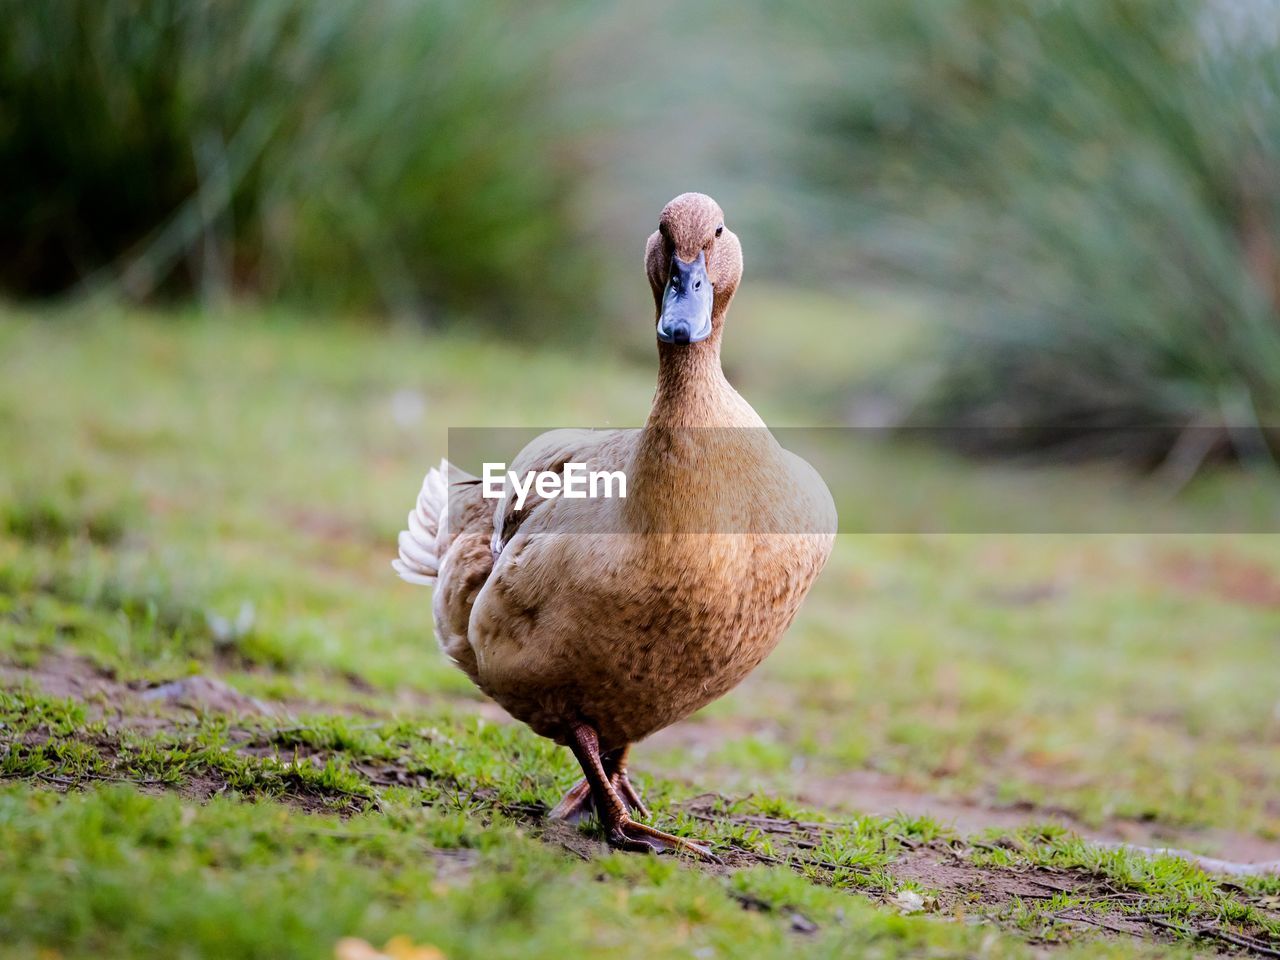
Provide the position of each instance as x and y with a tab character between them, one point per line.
869	792
854	792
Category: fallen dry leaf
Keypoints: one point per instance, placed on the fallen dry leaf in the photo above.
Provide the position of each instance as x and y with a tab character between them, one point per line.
908	901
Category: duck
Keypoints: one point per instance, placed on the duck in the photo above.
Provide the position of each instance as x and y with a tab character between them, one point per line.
599	621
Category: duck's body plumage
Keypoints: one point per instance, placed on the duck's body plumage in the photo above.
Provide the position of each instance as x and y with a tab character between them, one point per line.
628	614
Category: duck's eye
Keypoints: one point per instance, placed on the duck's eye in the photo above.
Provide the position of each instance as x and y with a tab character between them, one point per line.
719	229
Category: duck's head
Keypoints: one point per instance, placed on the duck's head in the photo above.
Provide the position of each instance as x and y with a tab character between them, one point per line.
694	264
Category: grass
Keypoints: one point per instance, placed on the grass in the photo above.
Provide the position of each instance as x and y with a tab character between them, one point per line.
402	158
184	498
470	890
1080	186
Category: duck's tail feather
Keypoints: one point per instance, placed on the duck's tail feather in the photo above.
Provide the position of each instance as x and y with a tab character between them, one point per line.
420	550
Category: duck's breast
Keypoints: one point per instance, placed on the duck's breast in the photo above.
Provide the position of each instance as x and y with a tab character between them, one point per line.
588	627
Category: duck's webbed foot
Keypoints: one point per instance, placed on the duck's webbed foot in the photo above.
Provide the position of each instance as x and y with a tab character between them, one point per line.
627	834
579	805
576	805
613	797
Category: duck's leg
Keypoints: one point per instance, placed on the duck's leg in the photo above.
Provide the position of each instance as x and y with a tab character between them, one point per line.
621	829
616	767
578	805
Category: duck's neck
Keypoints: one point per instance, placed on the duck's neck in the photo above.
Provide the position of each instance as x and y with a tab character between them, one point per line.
692	390
701	437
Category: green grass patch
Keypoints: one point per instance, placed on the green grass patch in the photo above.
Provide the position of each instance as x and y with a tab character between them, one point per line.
231	512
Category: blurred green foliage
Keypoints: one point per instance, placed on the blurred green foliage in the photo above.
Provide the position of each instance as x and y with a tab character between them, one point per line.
1094	190
396	155
1087	193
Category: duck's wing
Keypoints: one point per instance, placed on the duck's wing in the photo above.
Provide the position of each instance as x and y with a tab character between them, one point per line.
813	511
455	535
549	452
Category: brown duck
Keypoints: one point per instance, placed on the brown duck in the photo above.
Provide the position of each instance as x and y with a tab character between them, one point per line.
599	621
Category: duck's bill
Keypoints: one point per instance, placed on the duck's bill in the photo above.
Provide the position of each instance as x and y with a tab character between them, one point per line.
686	305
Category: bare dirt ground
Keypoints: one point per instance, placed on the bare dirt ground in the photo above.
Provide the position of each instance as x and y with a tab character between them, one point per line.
870	792
863	791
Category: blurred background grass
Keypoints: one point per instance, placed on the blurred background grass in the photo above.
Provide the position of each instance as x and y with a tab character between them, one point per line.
1080	202
393	157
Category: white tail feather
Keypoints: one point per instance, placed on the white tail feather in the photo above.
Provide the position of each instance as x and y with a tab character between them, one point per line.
418	562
